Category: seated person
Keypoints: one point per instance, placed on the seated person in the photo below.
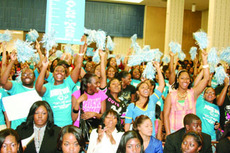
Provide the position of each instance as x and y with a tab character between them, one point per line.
192	142
191	123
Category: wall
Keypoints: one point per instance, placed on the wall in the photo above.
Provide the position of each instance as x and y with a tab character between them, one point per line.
204	21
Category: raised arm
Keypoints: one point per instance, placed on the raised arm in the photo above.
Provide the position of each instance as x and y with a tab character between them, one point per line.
37	46
203	83
5	75
76	105
172	73
161	78
40	88
167	109
79	59
220	98
103	56
198	78
4	58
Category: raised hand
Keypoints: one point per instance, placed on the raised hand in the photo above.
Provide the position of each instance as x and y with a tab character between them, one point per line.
37	46
45	62
83	47
13	55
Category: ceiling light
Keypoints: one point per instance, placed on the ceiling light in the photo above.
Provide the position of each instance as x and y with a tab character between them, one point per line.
131	1
193	7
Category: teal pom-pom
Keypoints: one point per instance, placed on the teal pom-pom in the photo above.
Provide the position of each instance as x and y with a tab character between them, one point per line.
149	71
166	59
201	39
175	47
110	43
158	55
32	35
96	57
100	39
220	75
181	56
212	67
36	58
135	45
225	55
58	53
91	35
49	41
24	50
6	36
68	49
135	59
193	52
213	57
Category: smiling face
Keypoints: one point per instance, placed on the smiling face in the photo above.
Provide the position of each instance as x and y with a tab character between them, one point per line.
98	71
27	77
10	145
59	74
133	146
40	116
143	90
210	95
145	128
183	80
113	62
70	144
111	72
136	74
189	145
115	86
127	80
93	86
110	121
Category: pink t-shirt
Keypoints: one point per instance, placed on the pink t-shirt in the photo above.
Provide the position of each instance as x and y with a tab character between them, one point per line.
92	104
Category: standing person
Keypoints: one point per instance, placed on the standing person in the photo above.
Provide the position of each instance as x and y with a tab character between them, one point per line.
146	103
10	141
128	91
192	142
13	87
107	137
191	123
70	140
182	100
131	142
58	93
40	124
3	117
113	102
224	143
144	126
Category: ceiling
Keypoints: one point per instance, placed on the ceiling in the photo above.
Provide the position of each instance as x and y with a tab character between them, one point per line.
200	4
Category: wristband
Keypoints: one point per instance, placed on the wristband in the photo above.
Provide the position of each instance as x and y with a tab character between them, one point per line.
205	66
81	54
75	111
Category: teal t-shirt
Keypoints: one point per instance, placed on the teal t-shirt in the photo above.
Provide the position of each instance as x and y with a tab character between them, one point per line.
135	82
208	113
3	93
17	88
59	98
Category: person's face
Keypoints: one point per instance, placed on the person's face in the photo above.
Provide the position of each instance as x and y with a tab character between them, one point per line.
110	121
127	80
89	66
167	74
59	73
27	77
189	145
133	146
10	145
115	86
94	85
143	90
113	62
209	95
98	71
191	70
70	144
180	68
111	73
194	126
40	116
146	128
136	74
184	80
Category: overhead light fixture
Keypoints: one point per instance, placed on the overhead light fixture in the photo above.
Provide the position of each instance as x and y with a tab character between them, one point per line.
131	1
193	7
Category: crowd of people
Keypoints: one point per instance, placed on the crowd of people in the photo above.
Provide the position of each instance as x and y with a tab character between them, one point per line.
111	107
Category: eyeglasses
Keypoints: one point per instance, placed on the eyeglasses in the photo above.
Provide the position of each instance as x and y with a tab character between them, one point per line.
25	74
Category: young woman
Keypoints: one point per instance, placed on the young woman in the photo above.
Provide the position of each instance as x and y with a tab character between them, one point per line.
70	140
131	142
136	76
192	142
113	102
10	141
111	73
108	135
146	103
128	91
144	126
39	125
182	100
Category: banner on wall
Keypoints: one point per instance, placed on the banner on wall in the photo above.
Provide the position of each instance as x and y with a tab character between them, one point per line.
66	18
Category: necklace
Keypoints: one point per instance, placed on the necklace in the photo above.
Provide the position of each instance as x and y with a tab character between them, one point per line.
182	96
